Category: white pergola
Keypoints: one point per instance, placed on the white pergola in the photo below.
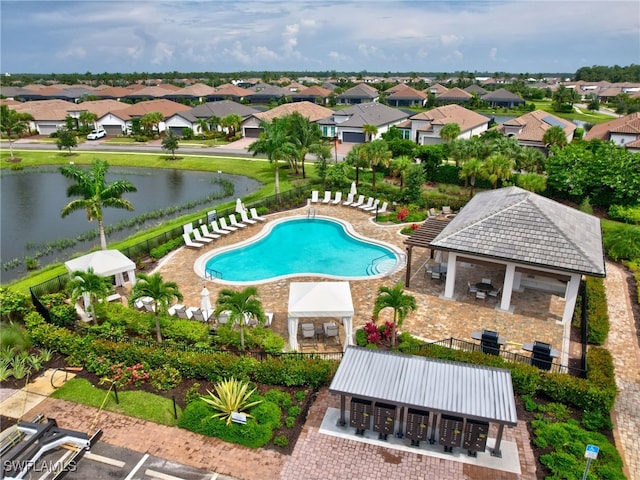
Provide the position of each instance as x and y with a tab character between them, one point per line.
320	299
105	263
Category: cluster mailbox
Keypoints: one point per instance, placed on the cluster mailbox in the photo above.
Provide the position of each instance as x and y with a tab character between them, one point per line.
450	432
475	437
384	416
360	416
417	426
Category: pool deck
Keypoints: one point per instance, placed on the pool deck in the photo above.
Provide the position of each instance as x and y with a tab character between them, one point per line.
534	314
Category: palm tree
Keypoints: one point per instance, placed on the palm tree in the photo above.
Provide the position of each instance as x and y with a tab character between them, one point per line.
370	131
87	118
530	160
400	167
151	121
241	305
203	125
306	136
213	121
378	154
232	123
13	123
554	136
162	293
450	132
357	159
396	299
472	169
275	144
497	168
95	193
90	286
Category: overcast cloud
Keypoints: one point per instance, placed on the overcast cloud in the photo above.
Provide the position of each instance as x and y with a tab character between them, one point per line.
297	35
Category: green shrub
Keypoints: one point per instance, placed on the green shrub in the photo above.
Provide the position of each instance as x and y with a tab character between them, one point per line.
294	411
192	394
13	337
597	313
281	441
289	422
301	396
595	421
165	378
621	241
13	305
361	338
280	398
62	313
161	250
183	331
625	214
529	403
268	413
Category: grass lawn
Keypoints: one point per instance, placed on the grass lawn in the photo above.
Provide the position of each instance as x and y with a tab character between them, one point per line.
122	141
144	405
203	143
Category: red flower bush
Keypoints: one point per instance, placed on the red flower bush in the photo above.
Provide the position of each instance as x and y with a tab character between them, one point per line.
403	213
415	226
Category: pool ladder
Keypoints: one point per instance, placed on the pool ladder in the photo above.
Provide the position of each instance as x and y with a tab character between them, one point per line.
311	213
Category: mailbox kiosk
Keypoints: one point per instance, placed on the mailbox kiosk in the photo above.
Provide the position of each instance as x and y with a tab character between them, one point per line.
384	417
360	416
417	426
475	437
450	432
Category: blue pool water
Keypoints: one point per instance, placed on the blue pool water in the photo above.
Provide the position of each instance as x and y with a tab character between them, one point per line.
302	247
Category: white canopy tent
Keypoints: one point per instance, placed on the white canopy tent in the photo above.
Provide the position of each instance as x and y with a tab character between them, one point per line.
105	263
320	299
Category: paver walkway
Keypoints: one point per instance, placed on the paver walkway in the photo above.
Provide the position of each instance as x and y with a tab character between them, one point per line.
623	345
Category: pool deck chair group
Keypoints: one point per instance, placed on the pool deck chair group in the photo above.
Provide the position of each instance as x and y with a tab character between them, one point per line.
371	204
198	237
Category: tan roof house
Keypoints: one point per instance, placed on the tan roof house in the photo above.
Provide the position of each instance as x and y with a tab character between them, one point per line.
426	126
48	115
623	131
403	95
529	129
251	126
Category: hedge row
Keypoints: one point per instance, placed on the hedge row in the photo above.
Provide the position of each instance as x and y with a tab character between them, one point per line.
597	312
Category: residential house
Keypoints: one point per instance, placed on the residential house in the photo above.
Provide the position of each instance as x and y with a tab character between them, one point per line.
121	119
48	115
269	94
251	126
425	127
150	93
529	129
623	131
347	125
315	94
196	93
437	89
361	93
101	108
220	109
503	98
476	90
403	95
113	93
229	92
454	95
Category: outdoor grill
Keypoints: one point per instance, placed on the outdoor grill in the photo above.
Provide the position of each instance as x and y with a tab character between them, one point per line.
541	355
489	342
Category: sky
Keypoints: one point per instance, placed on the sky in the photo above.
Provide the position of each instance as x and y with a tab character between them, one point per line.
523	36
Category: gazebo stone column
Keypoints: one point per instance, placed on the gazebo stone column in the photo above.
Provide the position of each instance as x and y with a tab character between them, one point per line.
293	333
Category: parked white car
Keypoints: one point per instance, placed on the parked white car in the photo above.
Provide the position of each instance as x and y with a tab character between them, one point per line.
97	133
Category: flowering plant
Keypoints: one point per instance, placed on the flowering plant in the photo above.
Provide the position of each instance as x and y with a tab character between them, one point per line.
121	375
403	213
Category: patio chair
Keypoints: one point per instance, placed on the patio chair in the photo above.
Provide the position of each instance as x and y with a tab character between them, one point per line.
255	216
486	280
435	275
337	199
359	202
223	224
190	243
481	295
314	196
432	213
206	233
199	238
200	316
216	229
223	317
471	289
446	210
173	310
246	219
383	209
495	293
327	196
308	334
367	205
331	333
234	222
371	208
349	200
184	313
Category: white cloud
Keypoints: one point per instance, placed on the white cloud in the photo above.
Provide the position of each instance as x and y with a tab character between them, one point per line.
72	52
238	53
338	57
162	53
451	40
264	53
493	54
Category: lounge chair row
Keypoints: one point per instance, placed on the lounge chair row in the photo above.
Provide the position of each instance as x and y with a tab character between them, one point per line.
371	205
199	237
195	313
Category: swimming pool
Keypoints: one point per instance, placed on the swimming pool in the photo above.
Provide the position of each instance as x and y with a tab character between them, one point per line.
320	246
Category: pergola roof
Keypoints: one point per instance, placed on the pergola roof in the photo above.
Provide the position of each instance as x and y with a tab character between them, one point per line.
320	299
427	232
515	225
472	391
103	262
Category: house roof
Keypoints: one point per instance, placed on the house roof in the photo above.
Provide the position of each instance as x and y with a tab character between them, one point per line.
438	89
221	109
46	109
195	90
477	89
151	92
534	125
502	95
372	113
403	91
455	94
100	107
362	90
627	124
439	386
232	91
115	92
307	109
164	106
513	224
271	91
315	91
465	118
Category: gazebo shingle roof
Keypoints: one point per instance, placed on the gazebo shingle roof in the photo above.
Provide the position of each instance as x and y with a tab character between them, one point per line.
516	225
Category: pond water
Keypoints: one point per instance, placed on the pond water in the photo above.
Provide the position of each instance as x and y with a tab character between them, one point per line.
31	201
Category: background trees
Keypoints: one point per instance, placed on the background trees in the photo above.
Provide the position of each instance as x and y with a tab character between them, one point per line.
450	131
95	193
378	155
13	123
66	139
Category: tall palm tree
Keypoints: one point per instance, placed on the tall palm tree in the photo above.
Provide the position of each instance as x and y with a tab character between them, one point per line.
530	160
357	159
378	155
90	185
162	293
90	286
213	121
151	121
13	123
400	167
232	123
275	144
305	135
472	169
370	131
401	303
450	132
241	305
554	136
87	119
497	168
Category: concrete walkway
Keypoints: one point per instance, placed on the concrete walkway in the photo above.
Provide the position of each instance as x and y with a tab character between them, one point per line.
623	345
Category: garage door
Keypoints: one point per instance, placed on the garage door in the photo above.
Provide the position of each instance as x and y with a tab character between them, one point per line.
113	129
353	137
252	132
177	131
47	128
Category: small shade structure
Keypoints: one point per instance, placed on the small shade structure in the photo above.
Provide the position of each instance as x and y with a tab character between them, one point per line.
354	189
105	263
239	206
205	302
320	299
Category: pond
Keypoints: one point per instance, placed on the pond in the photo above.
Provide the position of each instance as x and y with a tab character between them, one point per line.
31	201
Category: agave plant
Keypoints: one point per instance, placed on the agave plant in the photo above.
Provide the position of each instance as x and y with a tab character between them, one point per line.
5	370
35	361
46	355
20	368
231	396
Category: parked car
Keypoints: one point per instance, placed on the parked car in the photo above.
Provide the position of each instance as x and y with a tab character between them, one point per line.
96	134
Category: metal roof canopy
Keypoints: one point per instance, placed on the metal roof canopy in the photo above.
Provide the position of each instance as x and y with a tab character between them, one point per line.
471	391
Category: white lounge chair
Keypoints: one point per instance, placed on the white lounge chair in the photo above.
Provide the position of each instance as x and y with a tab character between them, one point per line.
359	203
199	238
207	234
314	196
234	222
216	229
367	205
190	243
173	309
184	313
337	199
349	200
327	196
223	224
255	216
201	316
371	208
383	209
446	210
245	218
268	319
